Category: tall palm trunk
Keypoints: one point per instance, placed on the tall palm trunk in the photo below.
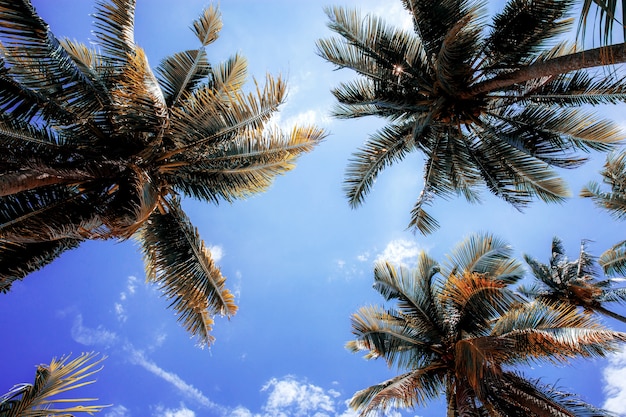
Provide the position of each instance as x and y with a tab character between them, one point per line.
614	54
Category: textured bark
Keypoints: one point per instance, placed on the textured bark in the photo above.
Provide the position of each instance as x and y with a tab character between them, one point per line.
614	54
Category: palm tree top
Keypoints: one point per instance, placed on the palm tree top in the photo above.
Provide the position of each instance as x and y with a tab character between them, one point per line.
461	329
577	282
488	105
95	145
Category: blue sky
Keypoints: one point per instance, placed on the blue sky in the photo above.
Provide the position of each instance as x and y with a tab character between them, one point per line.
299	260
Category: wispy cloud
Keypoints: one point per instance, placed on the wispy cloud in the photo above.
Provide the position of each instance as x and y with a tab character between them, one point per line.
615	380
137	357
117	411
400	252
182	411
92	336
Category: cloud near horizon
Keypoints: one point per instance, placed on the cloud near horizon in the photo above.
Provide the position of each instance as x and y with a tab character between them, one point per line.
615	383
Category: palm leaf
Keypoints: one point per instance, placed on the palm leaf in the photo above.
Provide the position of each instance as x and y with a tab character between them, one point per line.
484	253
39	62
178	261
613	260
243	166
520	31
554	332
410	389
115	23
60	376
381	150
18	260
433	19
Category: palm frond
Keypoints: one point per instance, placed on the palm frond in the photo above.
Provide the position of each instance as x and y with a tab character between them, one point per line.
381	150
554	332
115	23
20	259
41	399
408	390
484	253
520	31
38	61
182	72
607	17
433	19
209	117
613	175
613	260
179	262
139	103
244	166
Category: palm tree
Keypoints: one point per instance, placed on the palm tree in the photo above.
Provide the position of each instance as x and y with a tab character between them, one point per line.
573	282
42	398
459	329
613	261
490	106
606	12
94	145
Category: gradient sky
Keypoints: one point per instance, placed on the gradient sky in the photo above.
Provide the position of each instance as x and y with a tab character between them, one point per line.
298	258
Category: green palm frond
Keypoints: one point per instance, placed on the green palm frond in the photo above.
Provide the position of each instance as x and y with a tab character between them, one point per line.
386	334
46	395
413	291
177	259
182	72
408	390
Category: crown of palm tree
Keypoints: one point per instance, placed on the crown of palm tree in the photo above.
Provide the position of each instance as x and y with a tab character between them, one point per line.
576	282
458	328
94	145
490	106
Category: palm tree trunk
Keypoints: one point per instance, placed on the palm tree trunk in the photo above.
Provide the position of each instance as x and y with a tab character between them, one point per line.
604	55
451	412
609	313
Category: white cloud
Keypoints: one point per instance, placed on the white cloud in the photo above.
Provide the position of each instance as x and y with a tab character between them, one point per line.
297	398
290	397
117	411
120	312
400	252
395	14
615	383
217	252
341	263
89	336
137	357
178	412
364	257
